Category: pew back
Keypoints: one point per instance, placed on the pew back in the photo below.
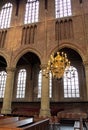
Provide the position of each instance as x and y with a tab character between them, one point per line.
8	120
40	125
6	128
19	123
24	124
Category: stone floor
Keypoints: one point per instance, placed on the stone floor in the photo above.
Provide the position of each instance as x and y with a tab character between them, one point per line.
59	127
63	127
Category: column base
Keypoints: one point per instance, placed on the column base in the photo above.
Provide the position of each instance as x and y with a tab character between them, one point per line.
6	111
45	113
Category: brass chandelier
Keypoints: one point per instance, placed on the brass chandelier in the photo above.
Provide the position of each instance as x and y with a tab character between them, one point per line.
57	64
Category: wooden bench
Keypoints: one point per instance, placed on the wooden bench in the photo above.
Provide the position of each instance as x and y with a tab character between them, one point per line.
73	115
40	125
8	120
6	128
2	116
20	123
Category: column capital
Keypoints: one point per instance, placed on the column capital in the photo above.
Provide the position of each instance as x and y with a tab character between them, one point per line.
86	64
44	70
43	66
11	69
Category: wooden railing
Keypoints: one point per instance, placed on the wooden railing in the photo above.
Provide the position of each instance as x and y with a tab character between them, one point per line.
8	120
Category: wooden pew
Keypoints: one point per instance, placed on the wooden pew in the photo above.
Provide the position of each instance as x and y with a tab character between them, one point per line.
8	120
2	116
19	123
40	125
6	128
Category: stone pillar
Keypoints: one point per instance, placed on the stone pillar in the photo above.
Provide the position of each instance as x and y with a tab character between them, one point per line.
6	108
86	75
45	101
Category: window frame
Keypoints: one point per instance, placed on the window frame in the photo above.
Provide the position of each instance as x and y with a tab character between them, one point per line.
2	83
5	15
71	87
40	84
21	81
31	12
63	8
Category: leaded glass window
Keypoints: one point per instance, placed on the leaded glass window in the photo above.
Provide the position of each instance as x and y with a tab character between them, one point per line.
3	76
32	11
21	84
40	84
63	8
5	15
71	83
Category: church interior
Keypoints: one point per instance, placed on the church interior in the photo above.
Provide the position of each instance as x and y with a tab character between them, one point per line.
44	61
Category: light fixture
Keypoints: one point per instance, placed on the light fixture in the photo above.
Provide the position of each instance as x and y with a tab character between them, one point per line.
57	64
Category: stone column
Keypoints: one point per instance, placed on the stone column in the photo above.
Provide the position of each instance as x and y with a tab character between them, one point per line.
86	75
45	101
6	108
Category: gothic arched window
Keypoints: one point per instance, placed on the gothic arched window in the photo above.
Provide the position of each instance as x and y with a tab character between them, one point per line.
71	83
5	15
63	8
3	76
21	83
40	84
32	11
